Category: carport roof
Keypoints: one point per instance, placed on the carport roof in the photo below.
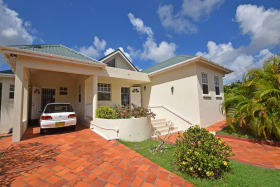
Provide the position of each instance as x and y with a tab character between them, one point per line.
55	49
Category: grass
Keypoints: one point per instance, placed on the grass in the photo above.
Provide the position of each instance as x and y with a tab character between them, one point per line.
241	174
239	133
230	132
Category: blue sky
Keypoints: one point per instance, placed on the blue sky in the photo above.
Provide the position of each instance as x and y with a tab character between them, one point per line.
236	34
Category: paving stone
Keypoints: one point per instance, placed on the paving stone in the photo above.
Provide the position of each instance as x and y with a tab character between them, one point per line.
80	158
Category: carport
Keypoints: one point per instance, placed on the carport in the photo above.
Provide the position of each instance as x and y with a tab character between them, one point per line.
41	77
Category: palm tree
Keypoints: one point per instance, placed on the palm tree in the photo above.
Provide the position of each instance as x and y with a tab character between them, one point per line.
254	104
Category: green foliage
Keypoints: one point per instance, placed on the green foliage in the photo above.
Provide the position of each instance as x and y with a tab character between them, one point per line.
240	175
254	104
123	112
107	112
201	154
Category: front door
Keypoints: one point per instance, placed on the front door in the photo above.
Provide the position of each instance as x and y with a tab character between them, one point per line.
125	96
36	103
48	96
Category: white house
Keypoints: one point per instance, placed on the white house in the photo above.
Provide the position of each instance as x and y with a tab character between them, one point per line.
184	89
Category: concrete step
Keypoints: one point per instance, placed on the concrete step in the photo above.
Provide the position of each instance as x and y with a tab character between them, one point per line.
157	124
163	132
161	127
158	120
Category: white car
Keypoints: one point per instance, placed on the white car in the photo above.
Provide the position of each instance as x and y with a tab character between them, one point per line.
57	115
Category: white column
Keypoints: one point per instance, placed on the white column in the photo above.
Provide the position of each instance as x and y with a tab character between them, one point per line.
94	96
18	103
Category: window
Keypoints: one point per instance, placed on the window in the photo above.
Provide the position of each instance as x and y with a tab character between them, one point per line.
12	91
217	85
58	108
104	92
205	83
63	91
112	63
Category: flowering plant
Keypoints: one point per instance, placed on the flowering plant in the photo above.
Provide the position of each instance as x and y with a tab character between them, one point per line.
201	154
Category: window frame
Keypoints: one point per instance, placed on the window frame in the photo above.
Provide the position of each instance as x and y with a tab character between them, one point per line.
217	85
205	83
63	91
12	91
106	89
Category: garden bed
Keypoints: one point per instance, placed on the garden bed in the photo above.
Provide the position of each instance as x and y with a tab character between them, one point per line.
241	174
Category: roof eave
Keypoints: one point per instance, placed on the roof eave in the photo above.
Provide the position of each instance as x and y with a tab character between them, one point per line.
24	52
6	75
121	53
173	66
215	65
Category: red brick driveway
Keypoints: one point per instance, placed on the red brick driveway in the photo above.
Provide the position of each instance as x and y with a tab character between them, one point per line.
80	158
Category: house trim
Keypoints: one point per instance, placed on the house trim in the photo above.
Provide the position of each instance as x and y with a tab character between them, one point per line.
29	53
189	61
123	55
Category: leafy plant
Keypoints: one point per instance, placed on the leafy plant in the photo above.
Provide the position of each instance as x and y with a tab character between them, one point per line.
201	154
107	112
254	104
123	112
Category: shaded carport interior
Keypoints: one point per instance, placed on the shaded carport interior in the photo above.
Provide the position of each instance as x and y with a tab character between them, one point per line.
44	82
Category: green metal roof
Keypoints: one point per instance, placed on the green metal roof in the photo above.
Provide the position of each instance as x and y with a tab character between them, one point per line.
167	63
55	49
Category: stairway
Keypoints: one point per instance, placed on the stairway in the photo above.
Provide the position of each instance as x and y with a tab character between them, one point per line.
162	127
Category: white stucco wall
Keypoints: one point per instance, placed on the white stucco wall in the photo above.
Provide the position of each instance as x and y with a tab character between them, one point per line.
134	129
116	85
7	105
210	106
184	99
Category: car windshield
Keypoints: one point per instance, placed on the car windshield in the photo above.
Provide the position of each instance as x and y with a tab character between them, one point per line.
57	108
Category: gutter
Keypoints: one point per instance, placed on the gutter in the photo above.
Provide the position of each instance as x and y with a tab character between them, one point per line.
29	53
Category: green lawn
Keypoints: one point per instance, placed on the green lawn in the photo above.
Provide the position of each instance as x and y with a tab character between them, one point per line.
229	132
241	174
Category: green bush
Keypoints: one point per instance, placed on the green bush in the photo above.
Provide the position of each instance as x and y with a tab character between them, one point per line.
201	154
253	105
122	112
107	112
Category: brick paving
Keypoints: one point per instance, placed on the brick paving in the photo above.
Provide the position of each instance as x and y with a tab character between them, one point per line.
247	152
80	158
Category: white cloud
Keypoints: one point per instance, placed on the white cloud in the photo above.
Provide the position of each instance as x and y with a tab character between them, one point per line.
110	50
139	25
191	10
234	59
198	8
176	22
262	25
151	50
158	52
95	49
13	30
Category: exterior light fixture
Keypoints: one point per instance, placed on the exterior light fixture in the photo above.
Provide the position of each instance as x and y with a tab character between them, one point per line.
172	90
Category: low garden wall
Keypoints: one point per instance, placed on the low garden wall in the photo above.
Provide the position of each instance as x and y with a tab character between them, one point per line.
133	129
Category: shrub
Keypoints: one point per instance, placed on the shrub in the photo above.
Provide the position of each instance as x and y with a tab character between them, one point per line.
107	112
201	154
122	112
253	105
